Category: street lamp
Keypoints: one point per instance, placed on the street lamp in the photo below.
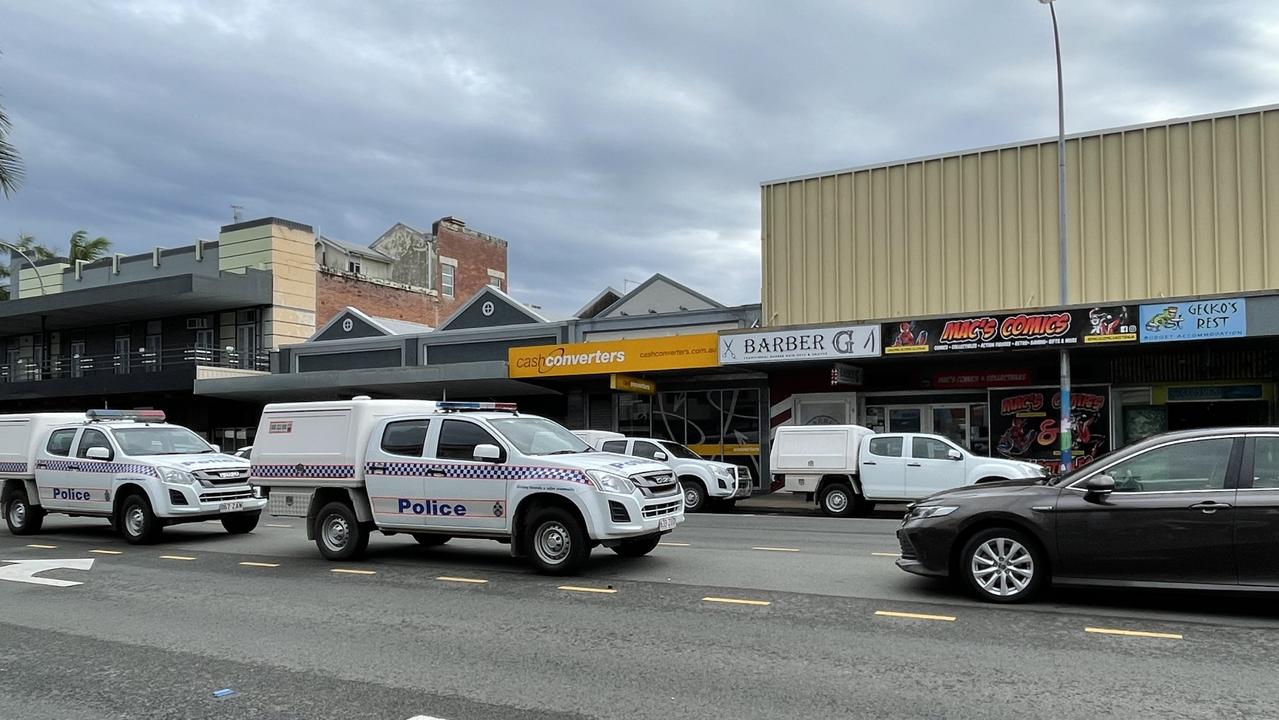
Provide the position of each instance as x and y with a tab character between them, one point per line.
1063	256
44	336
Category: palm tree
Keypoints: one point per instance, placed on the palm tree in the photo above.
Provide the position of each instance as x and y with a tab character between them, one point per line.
10	164
33	250
82	248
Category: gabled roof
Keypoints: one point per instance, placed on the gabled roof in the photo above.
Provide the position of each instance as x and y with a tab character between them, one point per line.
522	311
353	249
380	325
634	299
597	304
397	226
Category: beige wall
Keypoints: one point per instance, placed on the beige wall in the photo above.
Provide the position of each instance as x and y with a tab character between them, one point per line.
287	250
1178	208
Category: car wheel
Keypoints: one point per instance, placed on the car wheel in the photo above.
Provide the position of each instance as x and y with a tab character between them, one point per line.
21	516
137	522
339	534
556	541
241	523
1003	565
838	500
637	547
431	540
694	495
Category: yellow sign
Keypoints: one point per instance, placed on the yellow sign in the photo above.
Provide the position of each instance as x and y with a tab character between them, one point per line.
725	450
673	352
630	383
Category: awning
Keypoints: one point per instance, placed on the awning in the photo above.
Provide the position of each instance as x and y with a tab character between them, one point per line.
460	381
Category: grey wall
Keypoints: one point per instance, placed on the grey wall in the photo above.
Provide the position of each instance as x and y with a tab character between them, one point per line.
359	329
389	357
504	313
445	354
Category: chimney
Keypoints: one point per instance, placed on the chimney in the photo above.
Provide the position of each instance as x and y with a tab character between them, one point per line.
453	222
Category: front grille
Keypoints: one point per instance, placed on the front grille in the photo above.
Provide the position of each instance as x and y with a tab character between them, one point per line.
667	508
618	512
908	550
228	476
656	484
224	496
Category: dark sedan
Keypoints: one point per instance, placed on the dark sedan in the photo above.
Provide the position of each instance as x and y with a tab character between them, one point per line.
1196	509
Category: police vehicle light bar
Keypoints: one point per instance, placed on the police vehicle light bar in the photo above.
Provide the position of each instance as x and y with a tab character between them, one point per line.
454	406
126	415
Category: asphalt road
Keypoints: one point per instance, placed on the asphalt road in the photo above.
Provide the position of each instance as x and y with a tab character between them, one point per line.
154	632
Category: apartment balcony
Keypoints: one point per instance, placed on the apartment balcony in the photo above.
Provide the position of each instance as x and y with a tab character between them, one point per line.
139	371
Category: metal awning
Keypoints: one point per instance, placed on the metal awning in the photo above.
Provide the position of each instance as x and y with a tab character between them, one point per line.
461	380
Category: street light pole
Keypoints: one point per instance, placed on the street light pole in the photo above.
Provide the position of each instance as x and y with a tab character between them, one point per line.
1063	259
44	335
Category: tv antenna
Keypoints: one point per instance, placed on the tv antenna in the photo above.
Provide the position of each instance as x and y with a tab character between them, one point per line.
237	212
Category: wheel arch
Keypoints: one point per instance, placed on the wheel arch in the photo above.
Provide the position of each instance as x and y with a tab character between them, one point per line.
828	480
325	495
533	502
125	489
999	521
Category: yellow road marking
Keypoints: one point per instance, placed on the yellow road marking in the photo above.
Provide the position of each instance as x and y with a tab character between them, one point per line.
276	525
107	552
176	557
887	554
345	571
43	547
579	588
736	601
914	616
1133	633
776	549
673	544
258	564
473	581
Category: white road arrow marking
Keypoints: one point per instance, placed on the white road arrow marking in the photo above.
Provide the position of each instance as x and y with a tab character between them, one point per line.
24	571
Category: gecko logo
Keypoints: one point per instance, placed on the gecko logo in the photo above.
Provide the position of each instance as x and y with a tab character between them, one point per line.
430	507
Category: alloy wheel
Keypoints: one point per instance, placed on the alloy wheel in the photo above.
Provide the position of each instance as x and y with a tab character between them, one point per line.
1002	567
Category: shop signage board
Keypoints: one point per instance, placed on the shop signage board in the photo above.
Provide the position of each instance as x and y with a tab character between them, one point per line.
980	379
1194	320
673	352
1025	424
829	343
844	374
630	383
1049	328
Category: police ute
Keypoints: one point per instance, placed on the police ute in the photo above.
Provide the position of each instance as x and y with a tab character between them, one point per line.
438	470
128	466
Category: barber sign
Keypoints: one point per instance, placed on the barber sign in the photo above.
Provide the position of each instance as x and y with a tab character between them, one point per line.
848	341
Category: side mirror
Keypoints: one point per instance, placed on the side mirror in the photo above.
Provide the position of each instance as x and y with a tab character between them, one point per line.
661	456
98	453
216	448
487	452
954	454
1100	485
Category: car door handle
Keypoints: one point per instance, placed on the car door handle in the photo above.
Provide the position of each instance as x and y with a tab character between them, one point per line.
1210	507
913	465
435	472
870	462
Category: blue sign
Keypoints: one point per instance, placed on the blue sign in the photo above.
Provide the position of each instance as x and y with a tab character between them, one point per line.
1194	320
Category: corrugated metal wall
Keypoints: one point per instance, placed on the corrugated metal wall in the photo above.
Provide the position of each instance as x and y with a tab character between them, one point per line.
1179	208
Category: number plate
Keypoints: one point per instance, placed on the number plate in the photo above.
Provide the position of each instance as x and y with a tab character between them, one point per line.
666	523
230	506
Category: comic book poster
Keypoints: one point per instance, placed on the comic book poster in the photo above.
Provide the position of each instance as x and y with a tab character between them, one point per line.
1025	424
1049	328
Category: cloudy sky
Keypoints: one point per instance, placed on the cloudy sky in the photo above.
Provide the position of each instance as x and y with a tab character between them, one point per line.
605	140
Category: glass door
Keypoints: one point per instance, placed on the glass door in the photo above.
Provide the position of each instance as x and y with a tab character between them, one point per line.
951	421
122	356
246	344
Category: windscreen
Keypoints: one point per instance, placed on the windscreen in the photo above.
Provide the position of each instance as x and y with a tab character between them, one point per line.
679	451
160	441
539	436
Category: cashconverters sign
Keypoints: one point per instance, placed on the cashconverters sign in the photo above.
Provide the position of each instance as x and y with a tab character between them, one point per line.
674	352
1051	328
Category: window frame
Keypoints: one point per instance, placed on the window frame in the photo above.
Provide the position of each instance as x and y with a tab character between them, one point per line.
1233	466
448	280
1248	468
604	446
927	438
70	446
426	437
901	449
493	440
635	450
80	442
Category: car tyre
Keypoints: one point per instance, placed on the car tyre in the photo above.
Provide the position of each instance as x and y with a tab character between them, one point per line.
839	500
1003	565
556	541
137	522
637	547
694	495
241	523
339	534
430	540
20	515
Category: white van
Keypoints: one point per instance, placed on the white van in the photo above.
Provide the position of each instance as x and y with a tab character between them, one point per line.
846	469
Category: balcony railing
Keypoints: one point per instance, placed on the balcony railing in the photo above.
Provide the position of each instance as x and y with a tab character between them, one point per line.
139	361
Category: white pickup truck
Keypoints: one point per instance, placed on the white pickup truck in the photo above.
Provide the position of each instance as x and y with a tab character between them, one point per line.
705	483
457	469
128	466
849	468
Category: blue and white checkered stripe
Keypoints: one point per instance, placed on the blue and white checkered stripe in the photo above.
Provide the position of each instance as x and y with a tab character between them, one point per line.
96	466
303	471
13	467
477	472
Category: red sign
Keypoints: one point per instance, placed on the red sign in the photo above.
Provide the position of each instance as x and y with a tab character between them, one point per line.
981	379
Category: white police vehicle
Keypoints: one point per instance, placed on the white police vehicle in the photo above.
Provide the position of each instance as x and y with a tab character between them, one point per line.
705	483
125	465
457	469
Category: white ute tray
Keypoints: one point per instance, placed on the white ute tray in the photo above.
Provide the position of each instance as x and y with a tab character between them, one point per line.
20	439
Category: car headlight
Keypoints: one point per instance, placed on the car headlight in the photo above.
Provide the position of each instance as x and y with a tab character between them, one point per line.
726	473
931	511
177	477
611	482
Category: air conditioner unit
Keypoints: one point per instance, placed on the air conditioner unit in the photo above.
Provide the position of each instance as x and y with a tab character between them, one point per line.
197	323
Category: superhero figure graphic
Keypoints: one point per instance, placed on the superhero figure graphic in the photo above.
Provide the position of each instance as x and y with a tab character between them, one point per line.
1101	322
906	336
1016	439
